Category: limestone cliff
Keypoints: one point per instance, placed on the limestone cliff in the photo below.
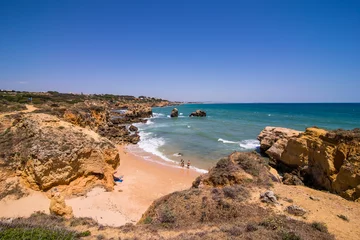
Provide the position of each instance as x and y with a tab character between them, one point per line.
49	152
330	158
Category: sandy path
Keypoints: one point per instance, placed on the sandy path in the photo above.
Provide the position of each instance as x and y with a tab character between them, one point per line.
324	208
144	182
30	108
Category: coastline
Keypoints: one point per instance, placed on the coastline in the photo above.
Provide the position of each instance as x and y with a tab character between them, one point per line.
143	182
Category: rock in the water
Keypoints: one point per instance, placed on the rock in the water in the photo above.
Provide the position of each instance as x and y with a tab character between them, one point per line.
59	207
133	128
174	113
268	197
198	113
295	210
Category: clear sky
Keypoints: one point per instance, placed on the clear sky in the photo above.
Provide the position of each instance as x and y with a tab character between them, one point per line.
228	51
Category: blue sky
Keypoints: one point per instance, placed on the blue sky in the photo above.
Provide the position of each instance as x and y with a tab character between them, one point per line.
227	51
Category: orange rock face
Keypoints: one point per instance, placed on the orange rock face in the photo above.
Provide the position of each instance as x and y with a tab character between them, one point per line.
332	158
51	152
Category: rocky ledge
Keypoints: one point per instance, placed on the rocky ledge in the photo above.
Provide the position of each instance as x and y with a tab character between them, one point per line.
47	152
325	159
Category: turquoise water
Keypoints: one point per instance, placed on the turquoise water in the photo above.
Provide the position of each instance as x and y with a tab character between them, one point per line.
232	127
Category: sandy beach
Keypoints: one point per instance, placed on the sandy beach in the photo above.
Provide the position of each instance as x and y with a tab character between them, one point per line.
143	182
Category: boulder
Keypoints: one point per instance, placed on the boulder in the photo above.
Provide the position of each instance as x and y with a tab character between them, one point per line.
292	179
198	113
133	128
174	113
59	207
295	210
268	197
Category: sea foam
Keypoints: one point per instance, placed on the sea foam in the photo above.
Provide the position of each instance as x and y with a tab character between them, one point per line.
151	144
158	115
249	144
226	141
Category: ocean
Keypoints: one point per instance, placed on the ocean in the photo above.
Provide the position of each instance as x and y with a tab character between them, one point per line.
230	127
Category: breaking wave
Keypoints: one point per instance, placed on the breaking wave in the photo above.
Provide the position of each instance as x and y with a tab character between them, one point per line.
249	144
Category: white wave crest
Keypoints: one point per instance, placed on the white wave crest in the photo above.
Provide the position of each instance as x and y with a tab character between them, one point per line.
249	144
149	122
181	114
151	144
177	154
158	115
226	141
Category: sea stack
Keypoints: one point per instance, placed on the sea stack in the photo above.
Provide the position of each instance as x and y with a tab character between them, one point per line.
198	113
174	113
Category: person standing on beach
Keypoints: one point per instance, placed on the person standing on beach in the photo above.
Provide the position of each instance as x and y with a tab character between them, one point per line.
188	164
182	163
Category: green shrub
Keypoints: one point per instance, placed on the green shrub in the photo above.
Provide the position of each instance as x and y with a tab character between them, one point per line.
84	234
343	217
319	226
289	236
34	233
147	220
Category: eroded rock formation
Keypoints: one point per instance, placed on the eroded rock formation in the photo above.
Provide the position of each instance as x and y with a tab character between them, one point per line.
58	205
273	140
330	158
49	152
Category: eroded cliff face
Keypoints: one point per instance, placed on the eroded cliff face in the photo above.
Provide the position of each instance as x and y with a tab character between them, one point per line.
96	115
330	158
48	152
88	114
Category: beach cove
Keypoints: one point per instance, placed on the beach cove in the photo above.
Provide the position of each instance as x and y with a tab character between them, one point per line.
143	182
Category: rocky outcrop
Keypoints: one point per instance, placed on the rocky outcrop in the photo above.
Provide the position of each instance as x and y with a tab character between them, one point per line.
49	152
131	114
88	114
138	111
273	140
96	116
119	134
58	206
132	128
198	113
237	168
329	159
174	113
